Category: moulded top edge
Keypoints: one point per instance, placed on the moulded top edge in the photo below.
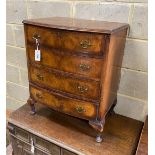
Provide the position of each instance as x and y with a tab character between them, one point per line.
66	23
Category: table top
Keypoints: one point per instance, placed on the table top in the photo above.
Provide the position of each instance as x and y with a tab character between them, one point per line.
78	24
121	134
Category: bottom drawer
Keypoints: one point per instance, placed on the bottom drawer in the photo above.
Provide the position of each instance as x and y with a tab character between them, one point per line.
46	146
22	148
37	152
66	152
74	107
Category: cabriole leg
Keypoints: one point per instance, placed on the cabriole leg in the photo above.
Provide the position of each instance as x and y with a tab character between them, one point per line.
98	126
31	102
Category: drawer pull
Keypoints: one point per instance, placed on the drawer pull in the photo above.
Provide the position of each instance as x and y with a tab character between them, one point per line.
84	67
39	96
85	44
82	89
36	36
80	109
40	77
32	146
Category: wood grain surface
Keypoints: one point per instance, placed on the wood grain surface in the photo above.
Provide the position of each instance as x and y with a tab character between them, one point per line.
8	113
71	106
72	42
111	72
121	134
80	65
78	24
82	61
55	80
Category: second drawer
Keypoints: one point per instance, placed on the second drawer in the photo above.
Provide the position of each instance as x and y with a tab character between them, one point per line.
86	66
67	84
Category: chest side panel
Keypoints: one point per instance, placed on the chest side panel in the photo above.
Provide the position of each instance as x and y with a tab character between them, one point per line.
112	71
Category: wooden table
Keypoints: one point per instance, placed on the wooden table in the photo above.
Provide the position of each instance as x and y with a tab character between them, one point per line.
8	113
121	134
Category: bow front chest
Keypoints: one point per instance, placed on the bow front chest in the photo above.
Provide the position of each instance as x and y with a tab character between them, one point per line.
74	66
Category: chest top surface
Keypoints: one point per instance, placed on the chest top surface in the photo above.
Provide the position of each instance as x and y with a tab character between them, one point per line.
78	24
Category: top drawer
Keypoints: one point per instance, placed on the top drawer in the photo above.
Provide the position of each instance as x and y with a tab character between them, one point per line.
67	41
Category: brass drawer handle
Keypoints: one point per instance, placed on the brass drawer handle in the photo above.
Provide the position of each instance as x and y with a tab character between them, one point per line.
36	36
39	96
80	109
40	77
85	43
84	67
82	89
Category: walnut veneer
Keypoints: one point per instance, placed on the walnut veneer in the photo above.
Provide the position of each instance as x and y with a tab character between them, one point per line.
79	70
54	133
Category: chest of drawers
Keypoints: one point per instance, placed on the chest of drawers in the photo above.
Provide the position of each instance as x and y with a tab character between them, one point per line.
79	64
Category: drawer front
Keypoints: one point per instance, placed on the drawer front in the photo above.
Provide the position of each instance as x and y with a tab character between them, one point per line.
39	152
47	146
46	36
64	83
66	152
22	134
68	41
89	43
20	147
89	67
74	107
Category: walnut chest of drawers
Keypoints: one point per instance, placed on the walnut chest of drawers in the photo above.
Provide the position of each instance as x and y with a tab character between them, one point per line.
77	71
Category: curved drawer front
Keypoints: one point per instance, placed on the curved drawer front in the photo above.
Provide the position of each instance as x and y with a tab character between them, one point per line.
89	67
69	106
61	82
83	42
68	41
